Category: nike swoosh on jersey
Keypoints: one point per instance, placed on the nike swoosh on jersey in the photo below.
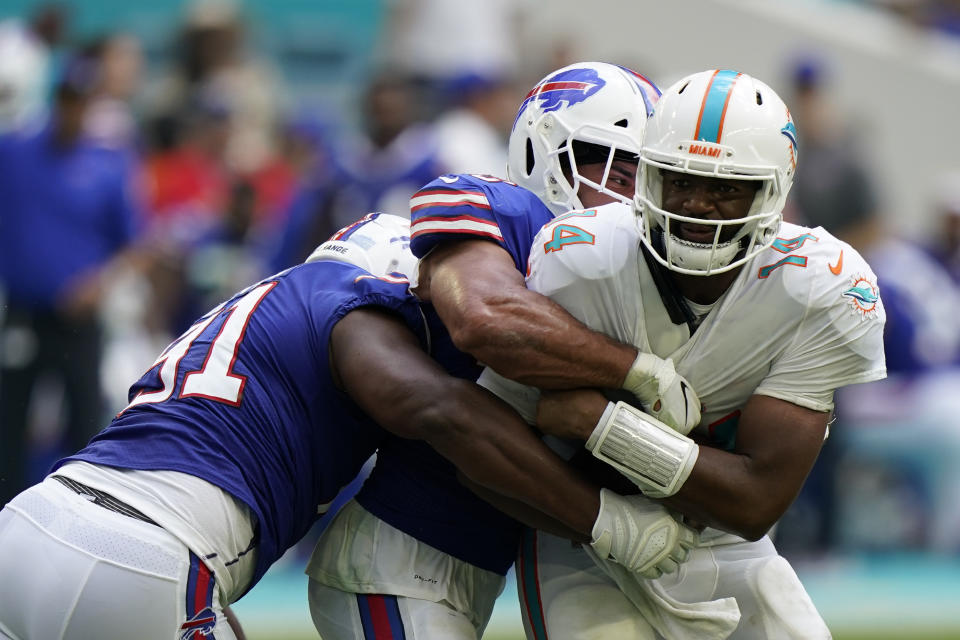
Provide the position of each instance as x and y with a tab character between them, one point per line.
835	269
449	179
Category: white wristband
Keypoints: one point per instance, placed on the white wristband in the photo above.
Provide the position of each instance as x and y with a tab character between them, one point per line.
652	455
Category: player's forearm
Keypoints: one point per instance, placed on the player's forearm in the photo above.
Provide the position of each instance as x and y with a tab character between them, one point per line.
524	513
743	492
490	314
726	492
412	397
528	338
493	448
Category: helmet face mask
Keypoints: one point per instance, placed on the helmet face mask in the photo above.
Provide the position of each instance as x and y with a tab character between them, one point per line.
600	104
718	125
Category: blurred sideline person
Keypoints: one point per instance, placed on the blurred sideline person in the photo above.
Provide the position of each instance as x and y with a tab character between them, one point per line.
764	319
244	430
68	223
415	542
378	169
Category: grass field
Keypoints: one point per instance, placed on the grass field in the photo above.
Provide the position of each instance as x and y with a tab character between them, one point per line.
901	597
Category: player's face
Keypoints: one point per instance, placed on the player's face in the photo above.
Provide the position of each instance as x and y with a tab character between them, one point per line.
623	175
707	198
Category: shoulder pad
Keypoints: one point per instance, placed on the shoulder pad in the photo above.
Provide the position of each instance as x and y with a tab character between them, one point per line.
820	270
589	243
473	207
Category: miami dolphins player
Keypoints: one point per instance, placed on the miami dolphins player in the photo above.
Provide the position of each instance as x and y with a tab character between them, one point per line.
239	436
415	545
573	144
764	319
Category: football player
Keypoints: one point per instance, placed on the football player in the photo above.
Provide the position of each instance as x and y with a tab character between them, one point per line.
764	319
415	545
241	434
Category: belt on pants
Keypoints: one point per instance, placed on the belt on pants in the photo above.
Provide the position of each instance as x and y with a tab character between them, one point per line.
103	499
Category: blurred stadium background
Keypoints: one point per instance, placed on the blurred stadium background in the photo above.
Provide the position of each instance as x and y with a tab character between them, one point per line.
255	129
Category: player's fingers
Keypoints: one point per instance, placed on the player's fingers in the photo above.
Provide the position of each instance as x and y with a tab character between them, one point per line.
668	565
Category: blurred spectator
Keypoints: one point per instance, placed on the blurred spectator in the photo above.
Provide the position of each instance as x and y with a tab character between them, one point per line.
378	170
110	118
935	15
946	240
215	66
472	132
436	41
25	54
227	258
833	188
921	299
67	222
186	181
303	149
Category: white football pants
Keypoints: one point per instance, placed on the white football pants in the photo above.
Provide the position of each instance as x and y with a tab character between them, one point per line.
74	570
564	595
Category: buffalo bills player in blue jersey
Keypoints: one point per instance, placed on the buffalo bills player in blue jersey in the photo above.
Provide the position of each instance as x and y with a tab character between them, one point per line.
416	552
241	434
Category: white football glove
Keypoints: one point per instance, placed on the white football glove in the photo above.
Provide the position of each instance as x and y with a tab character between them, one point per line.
664	393
641	535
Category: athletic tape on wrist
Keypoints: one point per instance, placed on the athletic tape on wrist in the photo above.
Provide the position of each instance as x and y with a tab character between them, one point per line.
642	379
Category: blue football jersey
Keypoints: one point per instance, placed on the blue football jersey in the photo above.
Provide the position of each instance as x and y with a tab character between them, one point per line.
412	487
464	207
244	399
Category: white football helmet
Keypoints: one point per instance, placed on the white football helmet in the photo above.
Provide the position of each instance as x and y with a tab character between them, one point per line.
379	243
722	124
602	105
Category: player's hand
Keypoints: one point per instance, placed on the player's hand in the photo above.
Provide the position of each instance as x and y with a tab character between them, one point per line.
641	535
570	414
664	393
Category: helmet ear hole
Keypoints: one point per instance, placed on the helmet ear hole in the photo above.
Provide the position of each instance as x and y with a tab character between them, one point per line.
759	99
531	159
622	123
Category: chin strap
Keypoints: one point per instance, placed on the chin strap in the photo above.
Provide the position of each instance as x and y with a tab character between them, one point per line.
673	300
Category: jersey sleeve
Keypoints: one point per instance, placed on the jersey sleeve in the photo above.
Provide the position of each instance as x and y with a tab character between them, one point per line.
839	341
355	288
467	207
581	261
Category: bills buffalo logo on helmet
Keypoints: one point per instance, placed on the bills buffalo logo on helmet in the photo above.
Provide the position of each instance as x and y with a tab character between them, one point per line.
563	90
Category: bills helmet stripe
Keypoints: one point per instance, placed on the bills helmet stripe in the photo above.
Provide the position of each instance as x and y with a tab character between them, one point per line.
649	91
348	230
714	106
380	617
386	278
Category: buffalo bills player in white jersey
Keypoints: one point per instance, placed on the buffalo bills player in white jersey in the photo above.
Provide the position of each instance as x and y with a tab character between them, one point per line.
765	320
241	434
415	544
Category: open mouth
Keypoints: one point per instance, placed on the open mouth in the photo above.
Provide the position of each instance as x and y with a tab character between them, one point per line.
696	233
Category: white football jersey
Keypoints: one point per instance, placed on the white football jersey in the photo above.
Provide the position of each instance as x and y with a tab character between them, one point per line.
801	319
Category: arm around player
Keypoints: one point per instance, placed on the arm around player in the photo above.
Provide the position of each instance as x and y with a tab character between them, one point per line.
413	397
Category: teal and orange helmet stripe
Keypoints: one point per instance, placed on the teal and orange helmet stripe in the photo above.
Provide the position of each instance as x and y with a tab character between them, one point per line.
714	106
